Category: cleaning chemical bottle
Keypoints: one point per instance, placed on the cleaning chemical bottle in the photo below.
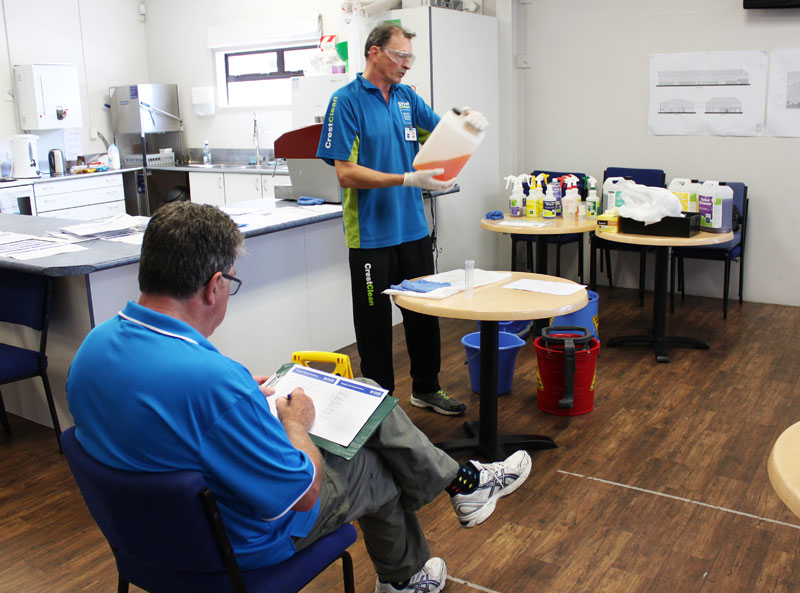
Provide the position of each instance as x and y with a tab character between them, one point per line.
558	192
715	205
515	199
571	198
113	157
542	181
535	199
550	204
692	189
449	146
680	187
612	189
206	153
592	201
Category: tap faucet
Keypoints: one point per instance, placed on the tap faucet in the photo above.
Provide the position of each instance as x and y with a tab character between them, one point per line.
255	138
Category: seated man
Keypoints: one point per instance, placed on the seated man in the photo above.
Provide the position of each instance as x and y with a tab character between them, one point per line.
149	392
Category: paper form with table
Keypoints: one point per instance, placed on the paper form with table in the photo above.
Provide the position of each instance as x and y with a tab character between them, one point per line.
344	407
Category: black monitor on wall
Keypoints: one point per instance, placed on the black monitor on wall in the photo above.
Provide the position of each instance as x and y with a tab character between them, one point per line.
771	3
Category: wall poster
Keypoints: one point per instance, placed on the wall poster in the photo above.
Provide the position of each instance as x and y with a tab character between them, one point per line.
708	93
783	102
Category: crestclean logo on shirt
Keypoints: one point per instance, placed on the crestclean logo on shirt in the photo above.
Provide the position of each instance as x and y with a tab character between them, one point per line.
330	123
370	287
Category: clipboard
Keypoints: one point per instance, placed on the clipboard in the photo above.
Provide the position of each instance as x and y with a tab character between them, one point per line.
363	434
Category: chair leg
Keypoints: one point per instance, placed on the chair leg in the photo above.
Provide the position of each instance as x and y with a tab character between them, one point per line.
513	254
122	585
608	268
347	573
592	263
4	416
725	288
53	414
580	258
529	253
681	279
558	259
642	275
741	277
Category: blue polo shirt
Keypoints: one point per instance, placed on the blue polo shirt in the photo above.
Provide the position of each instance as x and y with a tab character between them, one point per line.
363	128
149	393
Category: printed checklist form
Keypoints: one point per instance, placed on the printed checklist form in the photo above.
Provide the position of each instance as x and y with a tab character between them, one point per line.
344	407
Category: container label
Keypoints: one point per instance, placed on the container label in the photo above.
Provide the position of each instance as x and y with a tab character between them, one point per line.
684	198
710	209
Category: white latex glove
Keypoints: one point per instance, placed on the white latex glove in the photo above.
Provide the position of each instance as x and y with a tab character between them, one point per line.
424	178
474	119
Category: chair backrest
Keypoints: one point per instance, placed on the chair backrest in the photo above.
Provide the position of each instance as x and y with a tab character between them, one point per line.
155	522
556	174
25	298
649	177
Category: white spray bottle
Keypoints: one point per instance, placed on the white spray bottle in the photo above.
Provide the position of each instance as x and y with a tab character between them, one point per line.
517	194
571	198
592	200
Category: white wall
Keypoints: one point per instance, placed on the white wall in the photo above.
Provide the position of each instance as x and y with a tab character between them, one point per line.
104	40
177	52
586	108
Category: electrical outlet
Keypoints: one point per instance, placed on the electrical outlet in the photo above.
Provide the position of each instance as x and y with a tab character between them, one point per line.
523	61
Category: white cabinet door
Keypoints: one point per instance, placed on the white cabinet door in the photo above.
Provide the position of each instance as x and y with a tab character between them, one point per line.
240	187
207	188
268	183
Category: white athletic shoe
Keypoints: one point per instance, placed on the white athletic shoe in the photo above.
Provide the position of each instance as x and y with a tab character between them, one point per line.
496	481
430	579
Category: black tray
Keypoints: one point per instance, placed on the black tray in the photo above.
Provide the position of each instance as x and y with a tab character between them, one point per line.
669	226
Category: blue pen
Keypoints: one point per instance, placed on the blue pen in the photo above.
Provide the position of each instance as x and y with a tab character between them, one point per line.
289	397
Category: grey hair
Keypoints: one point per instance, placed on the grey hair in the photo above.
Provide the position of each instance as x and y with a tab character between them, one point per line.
381	35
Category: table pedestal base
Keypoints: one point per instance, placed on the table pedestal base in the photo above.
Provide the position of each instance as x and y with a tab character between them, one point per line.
659	345
504	445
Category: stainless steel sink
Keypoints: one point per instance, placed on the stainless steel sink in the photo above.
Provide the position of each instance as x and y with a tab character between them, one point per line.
234	166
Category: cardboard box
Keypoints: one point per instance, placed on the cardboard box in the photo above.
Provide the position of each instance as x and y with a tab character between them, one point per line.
607	223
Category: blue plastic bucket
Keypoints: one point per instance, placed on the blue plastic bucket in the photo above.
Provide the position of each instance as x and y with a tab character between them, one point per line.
588	317
518	328
508	348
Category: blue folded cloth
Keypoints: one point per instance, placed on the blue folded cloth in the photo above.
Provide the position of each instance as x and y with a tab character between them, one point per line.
419	285
494	215
307	201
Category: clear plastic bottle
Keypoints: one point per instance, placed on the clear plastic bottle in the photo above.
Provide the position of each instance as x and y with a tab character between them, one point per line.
206	153
113	157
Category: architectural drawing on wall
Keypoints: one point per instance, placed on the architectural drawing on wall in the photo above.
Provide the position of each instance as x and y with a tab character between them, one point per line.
708	93
724	105
783	103
703	77
677	106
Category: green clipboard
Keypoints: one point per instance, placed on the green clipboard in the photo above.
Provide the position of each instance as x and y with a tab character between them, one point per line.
363	435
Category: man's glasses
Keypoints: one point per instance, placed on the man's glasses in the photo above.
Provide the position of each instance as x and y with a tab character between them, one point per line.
236	284
399	57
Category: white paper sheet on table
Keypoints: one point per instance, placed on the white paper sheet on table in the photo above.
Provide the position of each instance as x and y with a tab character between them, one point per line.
23	247
342	405
545	286
530	223
456	279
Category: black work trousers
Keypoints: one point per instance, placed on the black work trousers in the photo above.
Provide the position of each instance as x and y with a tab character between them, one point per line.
371	272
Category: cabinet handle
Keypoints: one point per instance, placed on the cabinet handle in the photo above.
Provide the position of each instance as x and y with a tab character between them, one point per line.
219	181
258	183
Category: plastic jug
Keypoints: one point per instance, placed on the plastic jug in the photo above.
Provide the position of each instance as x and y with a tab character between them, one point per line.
449	146
715	204
680	187
612	193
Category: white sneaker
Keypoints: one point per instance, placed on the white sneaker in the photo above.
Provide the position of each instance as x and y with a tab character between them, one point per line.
430	579
496	481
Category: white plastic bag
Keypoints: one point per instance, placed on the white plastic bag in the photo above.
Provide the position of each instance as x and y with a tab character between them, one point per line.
648	204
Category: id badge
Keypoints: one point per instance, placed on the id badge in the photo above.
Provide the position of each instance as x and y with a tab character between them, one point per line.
411	134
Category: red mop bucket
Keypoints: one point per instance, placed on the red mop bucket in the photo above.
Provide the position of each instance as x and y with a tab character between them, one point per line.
567	358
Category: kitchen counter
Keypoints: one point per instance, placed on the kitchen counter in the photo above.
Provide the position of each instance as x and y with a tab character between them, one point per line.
226	168
295	296
46	177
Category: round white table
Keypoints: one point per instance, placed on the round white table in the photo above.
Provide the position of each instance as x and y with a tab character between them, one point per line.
489	305
783	467
657	337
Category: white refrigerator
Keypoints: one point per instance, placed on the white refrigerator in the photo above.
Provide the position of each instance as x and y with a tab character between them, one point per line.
457	66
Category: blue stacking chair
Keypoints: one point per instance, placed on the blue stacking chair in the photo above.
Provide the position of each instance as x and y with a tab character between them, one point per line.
733	250
25	299
167	535
558	240
649	177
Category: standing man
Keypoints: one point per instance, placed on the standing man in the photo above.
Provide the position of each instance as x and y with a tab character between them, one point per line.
371	134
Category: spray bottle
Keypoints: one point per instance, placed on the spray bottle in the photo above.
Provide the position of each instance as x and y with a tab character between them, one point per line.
542	179
592	200
517	195
571	198
550	204
535	199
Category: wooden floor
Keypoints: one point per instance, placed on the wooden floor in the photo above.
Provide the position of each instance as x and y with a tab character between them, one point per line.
662	488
